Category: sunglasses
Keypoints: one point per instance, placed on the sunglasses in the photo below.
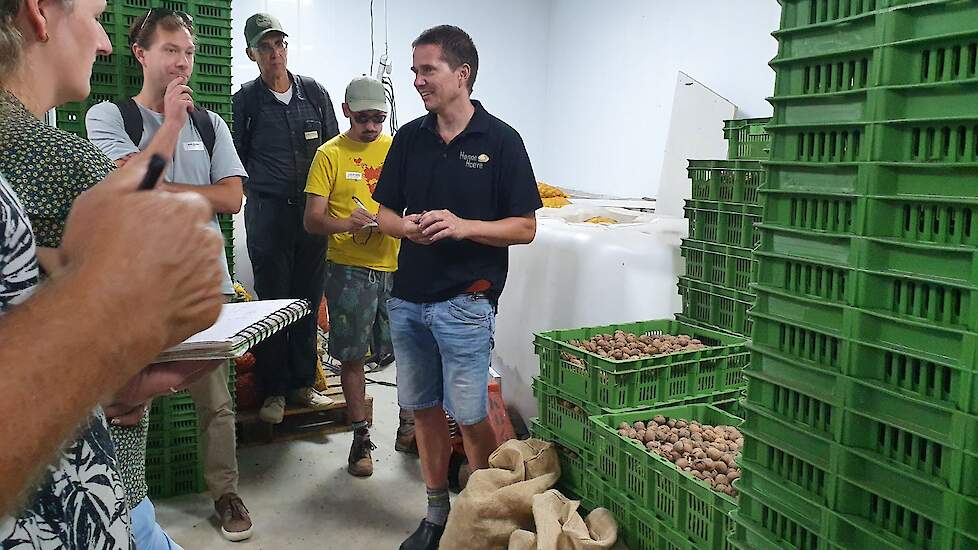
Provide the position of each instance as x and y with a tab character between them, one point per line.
361	118
159	13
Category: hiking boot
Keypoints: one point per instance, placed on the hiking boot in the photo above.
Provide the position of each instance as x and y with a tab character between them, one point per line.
235	521
311	398
272	410
425	537
360	462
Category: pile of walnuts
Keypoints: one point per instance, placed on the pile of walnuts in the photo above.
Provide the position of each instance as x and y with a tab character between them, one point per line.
624	345
706	452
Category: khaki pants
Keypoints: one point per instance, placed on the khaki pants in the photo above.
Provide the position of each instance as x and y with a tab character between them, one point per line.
215	415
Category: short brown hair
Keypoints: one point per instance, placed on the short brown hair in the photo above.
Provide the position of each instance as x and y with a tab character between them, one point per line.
457	48
142	32
11	39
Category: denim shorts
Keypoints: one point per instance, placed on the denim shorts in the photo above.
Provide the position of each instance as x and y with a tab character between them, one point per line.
443	354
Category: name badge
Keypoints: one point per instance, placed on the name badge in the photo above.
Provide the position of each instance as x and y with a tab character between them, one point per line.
354	176
313	134
193	146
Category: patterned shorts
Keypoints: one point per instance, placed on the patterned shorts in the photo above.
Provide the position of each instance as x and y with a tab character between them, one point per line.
356	298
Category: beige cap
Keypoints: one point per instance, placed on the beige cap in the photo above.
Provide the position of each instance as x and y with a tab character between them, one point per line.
366	94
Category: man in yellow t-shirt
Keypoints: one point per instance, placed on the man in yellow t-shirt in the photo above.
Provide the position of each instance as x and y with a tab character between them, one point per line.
360	260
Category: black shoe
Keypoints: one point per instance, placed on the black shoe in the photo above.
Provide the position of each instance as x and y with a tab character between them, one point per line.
426	537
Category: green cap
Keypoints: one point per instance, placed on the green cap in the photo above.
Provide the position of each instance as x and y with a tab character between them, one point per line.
366	94
259	25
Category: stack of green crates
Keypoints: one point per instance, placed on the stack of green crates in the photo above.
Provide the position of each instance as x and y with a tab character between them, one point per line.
723	210
657	505
575	385
861	426
118	75
173	464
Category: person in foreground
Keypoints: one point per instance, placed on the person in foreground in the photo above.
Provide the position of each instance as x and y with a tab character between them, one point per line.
458	189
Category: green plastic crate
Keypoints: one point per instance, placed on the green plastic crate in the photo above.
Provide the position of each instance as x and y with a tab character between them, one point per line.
567	417
669	378
824	213
806	279
820	144
929	300
575	462
563	415
801	344
802	312
746	138
813	410
717	264
172	456
804	13
679	500
716	306
720	223
175	481
732	181
776	519
804	245
907	374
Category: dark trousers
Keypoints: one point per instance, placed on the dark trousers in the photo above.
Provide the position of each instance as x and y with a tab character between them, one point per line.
288	263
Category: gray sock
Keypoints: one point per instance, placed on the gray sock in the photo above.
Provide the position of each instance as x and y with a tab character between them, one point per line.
438	506
361	425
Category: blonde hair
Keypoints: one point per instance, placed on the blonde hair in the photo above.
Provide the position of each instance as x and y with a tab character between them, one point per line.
11	39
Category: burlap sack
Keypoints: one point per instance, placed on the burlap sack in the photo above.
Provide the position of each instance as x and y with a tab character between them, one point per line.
559	526
499	500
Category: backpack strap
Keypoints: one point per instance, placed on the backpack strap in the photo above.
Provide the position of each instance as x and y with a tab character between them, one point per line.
320	100
132	119
252	104
201	118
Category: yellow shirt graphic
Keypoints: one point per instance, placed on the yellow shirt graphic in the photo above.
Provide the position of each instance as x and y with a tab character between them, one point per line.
343	169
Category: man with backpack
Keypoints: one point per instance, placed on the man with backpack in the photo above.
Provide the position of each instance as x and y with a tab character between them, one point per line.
280	119
162	119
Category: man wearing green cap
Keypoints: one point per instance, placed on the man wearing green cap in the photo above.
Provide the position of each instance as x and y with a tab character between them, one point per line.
280	119
361	260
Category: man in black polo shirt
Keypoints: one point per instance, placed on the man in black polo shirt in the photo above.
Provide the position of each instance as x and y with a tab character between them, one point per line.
280	119
458	189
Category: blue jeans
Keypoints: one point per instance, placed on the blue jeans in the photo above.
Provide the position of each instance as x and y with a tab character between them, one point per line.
148	534
442	352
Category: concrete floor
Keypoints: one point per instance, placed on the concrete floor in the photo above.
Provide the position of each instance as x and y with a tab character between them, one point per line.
300	495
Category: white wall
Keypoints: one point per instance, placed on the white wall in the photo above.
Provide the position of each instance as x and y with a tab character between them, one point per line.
611	76
330	41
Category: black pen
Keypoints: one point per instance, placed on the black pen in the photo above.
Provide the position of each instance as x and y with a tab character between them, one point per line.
153	172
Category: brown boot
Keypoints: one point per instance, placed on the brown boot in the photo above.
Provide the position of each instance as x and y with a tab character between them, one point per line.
360	462
235	520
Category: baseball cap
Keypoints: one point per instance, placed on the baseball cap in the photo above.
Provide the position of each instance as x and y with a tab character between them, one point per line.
366	94
259	25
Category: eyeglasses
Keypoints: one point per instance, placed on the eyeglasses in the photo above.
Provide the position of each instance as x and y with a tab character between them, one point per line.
159	13
362	118
278	46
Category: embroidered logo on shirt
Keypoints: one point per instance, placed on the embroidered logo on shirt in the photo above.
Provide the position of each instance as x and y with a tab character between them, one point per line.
474	161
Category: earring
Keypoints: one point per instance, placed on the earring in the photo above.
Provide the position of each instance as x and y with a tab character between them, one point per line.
45	38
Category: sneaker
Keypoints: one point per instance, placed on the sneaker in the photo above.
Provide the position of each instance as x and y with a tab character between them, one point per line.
311	398
360	462
235	521
425	537
272	410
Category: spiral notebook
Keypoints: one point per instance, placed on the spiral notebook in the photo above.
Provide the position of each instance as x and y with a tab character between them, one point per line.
239	327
